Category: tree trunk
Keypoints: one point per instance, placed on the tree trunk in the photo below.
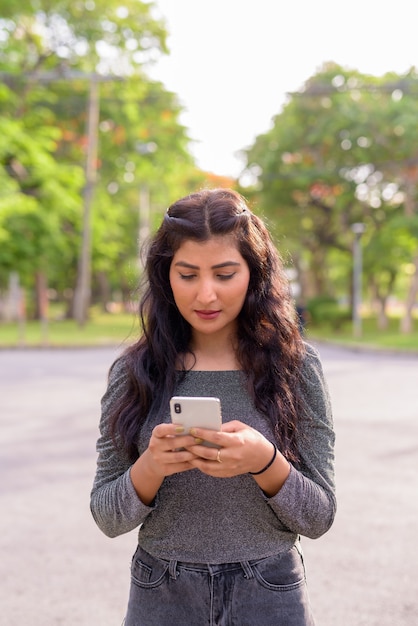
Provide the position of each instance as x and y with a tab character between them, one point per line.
406	324
382	318
407	319
82	294
41	296
319	272
104	290
380	297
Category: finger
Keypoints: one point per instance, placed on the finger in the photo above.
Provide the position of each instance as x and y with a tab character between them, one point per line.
204	434
167	430
179	441
178	456
207	453
213	462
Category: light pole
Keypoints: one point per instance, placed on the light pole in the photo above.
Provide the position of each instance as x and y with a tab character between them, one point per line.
358	229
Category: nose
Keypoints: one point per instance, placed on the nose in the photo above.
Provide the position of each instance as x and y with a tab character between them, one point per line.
206	292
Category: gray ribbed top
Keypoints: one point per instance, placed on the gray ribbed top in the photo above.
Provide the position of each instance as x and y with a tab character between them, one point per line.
198	518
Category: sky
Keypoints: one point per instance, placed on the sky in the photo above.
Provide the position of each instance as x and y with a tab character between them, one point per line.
232	63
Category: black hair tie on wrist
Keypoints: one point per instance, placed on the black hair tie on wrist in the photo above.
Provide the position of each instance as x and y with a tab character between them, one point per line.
268	464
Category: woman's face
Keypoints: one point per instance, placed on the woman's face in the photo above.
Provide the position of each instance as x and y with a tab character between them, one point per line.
209	281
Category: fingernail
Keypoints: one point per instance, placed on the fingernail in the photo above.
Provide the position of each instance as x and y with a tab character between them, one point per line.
198	441
193	431
179	429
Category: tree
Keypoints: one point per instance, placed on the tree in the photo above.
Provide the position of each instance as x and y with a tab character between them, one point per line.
101	36
341	151
49	54
37	197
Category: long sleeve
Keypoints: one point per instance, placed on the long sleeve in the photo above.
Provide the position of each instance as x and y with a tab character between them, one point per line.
114	503
306	504
227	519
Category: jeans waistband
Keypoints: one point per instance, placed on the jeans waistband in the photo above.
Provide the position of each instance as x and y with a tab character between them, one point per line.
246	566
212	569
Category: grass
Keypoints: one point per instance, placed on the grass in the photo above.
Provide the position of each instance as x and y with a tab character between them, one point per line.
100	330
371	336
114	329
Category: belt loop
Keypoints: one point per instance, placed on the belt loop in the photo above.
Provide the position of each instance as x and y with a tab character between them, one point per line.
248	572
172	569
298	546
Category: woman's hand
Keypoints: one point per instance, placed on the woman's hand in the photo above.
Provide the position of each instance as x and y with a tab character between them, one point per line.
168	452
240	449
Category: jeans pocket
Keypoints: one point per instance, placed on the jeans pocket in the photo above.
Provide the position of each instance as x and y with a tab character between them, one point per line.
147	571
281	572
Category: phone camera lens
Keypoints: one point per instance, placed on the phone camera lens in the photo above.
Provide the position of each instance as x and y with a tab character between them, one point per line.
177	407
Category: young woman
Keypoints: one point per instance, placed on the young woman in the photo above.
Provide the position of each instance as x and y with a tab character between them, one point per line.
219	527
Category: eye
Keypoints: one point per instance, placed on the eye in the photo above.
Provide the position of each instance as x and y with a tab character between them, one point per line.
226	276
187	276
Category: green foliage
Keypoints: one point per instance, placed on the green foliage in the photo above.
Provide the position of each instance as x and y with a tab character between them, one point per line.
101	35
38	197
326	311
48	53
343	150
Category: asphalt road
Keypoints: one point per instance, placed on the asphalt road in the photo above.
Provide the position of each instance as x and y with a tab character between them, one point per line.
56	568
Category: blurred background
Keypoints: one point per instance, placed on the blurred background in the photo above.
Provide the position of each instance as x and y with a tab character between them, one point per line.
109	111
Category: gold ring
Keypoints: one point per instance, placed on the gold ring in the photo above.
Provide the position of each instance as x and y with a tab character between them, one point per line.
218	456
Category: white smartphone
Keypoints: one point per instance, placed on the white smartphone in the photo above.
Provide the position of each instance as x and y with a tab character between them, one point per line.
198	412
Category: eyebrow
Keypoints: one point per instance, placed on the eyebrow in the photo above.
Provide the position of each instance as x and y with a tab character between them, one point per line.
214	267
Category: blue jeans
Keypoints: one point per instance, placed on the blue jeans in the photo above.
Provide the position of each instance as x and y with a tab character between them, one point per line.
263	592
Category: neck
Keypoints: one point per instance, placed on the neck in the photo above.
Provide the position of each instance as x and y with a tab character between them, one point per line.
213	353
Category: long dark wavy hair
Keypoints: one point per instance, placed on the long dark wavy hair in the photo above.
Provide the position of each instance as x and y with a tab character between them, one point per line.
270	348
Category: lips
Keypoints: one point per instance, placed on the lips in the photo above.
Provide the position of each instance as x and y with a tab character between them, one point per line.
207	315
